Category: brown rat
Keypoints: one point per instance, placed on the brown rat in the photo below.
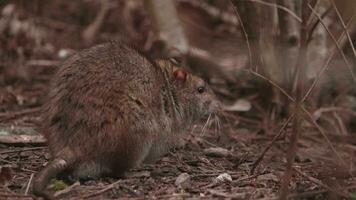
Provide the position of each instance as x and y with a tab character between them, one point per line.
111	108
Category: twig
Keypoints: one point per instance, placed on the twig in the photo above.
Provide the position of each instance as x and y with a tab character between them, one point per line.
29	183
66	190
274	84
17	130
22	139
260	158
19	113
22	150
321	184
109	187
321	110
227	195
44	63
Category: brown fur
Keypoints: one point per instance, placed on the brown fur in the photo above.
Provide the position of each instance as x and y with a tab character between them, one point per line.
110	109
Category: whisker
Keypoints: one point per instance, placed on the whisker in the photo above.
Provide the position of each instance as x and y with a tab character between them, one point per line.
218	123
204	127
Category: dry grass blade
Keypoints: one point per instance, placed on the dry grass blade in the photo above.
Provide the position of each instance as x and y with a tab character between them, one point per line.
28	184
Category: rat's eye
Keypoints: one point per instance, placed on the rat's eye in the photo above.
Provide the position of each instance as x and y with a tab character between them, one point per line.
201	89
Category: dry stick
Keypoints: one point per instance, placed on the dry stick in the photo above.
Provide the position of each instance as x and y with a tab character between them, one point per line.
326	65
279	7
28	184
22	150
274	84
245	35
260	158
19	113
298	116
66	190
318	182
12	139
109	187
344	26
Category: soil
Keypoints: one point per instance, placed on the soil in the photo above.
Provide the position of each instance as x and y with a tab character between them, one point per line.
216	164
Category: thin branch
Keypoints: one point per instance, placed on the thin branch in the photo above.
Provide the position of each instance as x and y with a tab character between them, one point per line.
321	184
28	184
245	35
260	158
274	84
107	188
22	150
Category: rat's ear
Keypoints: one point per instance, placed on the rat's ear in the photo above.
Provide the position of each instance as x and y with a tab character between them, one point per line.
180	76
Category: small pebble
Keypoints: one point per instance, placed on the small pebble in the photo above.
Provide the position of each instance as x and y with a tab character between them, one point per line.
224	177
183	180
216	152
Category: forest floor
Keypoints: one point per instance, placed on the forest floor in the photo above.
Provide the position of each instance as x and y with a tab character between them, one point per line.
207	166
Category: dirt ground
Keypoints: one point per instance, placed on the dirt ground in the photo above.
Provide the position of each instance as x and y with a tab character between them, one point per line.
212	165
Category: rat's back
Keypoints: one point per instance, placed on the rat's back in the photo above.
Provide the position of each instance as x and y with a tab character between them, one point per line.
97	92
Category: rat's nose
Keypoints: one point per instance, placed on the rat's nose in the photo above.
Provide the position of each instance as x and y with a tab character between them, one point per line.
215	106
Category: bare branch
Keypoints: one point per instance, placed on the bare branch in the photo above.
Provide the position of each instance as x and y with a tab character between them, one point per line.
261	156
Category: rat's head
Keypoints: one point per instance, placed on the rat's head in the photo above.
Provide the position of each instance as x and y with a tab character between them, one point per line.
195	98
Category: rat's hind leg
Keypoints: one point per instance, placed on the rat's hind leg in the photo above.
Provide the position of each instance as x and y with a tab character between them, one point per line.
91	169
159	148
